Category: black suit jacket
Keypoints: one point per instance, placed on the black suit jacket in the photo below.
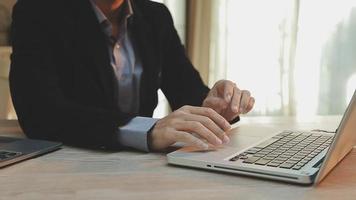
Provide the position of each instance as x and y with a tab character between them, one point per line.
61	81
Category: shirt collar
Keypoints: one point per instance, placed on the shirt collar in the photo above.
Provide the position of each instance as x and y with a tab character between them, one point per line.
102	18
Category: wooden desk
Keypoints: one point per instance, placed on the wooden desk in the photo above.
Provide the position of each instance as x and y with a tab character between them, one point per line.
73	173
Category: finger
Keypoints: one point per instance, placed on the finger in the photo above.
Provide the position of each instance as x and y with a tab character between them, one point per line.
245	98
228	90
198	128
210	124
215	103
236	101
229	115
181	136
250	105
212	114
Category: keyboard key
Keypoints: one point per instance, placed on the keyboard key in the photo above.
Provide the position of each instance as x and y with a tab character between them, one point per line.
280	160
284	133
264	151
288	155
252	151
251	160
233	159
283	148
269	157
288	146
240	156
262	161
306	160
283	156
291	161
304	152
310	157
274	153
298	157
295	134
302	162
286	165
314	153
273	164
297	167
260	154
266	143
295	159
277	152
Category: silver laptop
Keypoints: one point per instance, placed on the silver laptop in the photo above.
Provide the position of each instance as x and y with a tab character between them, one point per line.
292	156
13	150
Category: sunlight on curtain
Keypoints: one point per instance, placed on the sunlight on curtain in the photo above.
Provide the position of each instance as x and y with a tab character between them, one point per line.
249	39
325	60
295	56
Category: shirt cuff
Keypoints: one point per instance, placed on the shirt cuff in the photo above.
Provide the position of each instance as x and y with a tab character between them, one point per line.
134	133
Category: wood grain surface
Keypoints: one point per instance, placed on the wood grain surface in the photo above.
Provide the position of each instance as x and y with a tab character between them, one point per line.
74	173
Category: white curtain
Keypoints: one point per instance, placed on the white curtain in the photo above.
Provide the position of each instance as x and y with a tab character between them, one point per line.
296	56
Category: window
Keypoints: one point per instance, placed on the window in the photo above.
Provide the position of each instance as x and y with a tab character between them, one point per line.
296	56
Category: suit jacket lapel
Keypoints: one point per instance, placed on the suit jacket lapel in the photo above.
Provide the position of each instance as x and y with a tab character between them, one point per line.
142	35
94	51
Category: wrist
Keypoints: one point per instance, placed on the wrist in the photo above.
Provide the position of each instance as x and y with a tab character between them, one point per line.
150	139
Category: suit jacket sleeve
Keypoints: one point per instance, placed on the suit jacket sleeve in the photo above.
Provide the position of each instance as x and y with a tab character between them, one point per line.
181	82
43	110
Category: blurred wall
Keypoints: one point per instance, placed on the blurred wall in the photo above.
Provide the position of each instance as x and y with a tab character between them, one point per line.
6	108
5	20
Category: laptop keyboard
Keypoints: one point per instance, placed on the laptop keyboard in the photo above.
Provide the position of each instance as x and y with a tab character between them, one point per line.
289	150
5	155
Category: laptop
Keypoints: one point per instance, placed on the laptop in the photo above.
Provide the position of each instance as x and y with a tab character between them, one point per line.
13	150
302	157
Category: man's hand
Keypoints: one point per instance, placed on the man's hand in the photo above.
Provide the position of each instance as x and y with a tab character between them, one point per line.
228	100
195	126
200	126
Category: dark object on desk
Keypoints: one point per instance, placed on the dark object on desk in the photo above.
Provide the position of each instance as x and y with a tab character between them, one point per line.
13	150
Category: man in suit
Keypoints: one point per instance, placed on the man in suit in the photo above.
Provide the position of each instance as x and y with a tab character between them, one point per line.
86	72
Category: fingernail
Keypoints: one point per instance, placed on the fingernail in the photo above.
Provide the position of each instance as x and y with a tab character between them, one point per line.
218	141
204	146
235	109
241	110
226	139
